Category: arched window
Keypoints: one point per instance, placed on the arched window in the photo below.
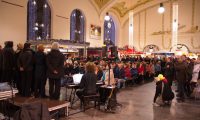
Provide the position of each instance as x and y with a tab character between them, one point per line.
109	32
38	20
77	26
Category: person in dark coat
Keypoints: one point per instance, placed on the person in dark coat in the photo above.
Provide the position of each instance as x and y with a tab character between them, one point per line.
1	61
169	71
17	76
25	64
88	81
181	76
40	72
8	62
55	70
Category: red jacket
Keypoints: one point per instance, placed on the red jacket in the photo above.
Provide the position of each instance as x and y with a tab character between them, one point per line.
141	70
127	72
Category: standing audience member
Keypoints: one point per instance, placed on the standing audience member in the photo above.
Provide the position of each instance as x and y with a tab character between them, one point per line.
40	72
169	71
17	76
25	64
181	76
55	70
195	73
1	61
8	62
88	82
157	68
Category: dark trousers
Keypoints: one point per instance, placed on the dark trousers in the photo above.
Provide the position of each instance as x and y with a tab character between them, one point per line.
17	79
181	89
80	94
157	93
26	80
170	80
54	88
40	83
7	76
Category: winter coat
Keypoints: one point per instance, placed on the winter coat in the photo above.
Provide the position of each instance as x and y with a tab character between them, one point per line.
8	62
88	83
55	62
40	65
181	71
134	72
167	94
25	60
127	72
121	73
169	70
116	72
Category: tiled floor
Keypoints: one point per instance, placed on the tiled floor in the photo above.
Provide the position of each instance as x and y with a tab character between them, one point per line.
137	105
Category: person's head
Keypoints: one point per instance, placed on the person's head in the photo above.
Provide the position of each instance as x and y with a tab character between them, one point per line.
27	46
20	46
179	59
134	65
40	48
55	46
8	44
90	67
98	68
168	59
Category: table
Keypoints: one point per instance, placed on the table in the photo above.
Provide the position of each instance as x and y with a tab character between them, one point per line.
4	95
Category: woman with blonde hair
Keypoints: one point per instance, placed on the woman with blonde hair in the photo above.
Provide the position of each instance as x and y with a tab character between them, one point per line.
88	81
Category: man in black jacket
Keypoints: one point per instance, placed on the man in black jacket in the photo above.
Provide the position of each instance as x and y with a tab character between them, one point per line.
8	62
25	64
55	70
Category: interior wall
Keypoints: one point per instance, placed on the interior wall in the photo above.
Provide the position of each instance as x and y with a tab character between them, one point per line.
13	20
149	21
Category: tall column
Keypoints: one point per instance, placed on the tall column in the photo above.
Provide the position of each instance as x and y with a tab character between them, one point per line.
131	41
175	25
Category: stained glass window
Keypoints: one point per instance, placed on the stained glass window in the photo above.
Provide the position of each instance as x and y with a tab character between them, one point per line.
109	32
38	20
77	26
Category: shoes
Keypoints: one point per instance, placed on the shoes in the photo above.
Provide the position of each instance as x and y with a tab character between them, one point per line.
156	105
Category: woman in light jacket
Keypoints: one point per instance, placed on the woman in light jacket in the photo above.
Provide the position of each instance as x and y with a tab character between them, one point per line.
106	78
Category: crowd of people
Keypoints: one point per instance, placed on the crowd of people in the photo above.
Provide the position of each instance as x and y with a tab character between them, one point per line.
29	70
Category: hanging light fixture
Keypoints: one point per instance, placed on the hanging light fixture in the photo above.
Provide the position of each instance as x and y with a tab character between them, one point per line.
107	17
161	9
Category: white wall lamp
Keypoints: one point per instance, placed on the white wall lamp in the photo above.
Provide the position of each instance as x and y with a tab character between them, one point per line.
161	9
